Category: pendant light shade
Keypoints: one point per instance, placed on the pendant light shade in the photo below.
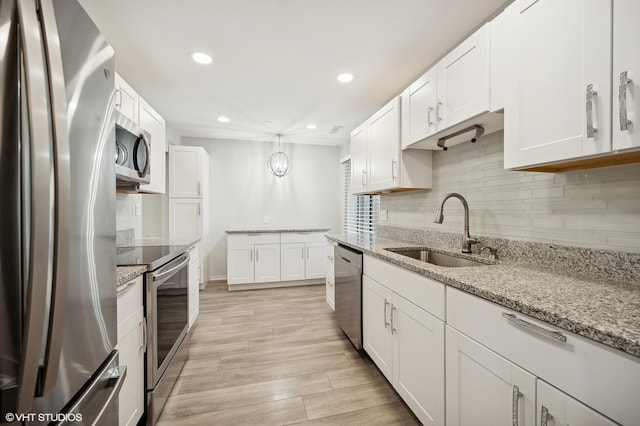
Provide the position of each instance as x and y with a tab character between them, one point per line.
279	163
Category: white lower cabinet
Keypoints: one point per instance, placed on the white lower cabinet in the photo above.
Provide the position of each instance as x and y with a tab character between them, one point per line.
292	258
555	408
194	284
131	348
315	260
267	263
485	389
407	345
239	262
330	274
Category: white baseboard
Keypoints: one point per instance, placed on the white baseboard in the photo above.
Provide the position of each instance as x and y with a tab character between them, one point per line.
276	284
218	278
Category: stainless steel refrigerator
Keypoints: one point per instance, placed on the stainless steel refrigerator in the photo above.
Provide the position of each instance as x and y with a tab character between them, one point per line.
57	217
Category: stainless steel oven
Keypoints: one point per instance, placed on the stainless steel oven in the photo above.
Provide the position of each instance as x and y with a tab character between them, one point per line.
167	314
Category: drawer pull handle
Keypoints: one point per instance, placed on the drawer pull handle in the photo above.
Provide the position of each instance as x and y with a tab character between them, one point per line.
515	415
544	416
386	303
124	288
535	328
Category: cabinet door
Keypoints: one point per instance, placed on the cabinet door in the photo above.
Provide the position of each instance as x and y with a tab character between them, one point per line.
315	260
418	360
464	78
359	161
194	285
484	389
331	291
376	325
127	100
292	259
418	109
555	408
383	147
240	263
563	58
626	91
267	263
153	123
185	172
185	218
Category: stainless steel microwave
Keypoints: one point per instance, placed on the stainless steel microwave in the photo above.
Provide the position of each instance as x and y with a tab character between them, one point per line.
132	154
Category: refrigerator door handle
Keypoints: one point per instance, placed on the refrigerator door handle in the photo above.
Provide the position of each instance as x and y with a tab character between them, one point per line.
62	181
40	226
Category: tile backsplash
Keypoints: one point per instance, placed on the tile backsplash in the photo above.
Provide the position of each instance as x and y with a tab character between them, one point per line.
597	208
126	213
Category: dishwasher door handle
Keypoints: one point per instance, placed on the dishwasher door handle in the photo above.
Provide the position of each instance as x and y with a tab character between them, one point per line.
344	258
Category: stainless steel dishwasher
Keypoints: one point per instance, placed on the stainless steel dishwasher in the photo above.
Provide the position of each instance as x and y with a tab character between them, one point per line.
348	297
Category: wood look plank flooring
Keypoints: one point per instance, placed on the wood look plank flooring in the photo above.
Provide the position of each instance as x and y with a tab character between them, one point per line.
277	357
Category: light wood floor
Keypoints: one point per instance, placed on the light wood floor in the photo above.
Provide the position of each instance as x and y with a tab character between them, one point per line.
277	357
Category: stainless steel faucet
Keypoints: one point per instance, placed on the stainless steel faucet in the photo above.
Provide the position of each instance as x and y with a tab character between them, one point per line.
467	241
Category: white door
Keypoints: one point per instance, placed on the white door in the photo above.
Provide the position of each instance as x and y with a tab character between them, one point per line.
292	260
153	123
185	218
240	263
376	325
418	360
562	60
267	263
126	99
484	389
555	408
131	400
383	147
185	172
626	87
418	109
359	162
464	78
315	264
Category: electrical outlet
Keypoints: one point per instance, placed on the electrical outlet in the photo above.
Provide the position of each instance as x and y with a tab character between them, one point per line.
383	215
138	209
266	219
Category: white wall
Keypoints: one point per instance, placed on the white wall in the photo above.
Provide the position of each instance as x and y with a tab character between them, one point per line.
598	208
243	192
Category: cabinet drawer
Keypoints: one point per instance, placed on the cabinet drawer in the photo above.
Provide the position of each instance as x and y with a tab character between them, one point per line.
251	238
420	290
600	377
129	299
302	237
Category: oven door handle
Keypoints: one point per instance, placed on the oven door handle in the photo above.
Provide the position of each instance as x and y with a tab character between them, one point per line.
161	275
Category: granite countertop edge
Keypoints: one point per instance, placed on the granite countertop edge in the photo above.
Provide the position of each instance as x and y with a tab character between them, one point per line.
127	273
558	313
273	230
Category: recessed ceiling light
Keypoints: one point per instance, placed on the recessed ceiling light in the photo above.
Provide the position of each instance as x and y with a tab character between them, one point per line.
345	77
311	126
201	58
223	119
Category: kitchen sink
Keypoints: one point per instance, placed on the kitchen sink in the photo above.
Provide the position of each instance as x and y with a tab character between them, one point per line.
435	258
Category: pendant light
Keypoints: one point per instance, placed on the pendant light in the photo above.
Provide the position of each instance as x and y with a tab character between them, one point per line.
279	163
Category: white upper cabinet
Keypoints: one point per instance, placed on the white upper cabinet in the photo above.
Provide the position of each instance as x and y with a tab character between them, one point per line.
383	146
359	161
626	74
451	96
153	123
185	177
377	162
558	107
464	78
419	103
127	99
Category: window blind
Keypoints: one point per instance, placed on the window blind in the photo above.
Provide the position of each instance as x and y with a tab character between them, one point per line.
360	211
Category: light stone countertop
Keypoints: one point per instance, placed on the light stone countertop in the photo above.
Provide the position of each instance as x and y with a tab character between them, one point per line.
273	230
604	311
158	241
127	273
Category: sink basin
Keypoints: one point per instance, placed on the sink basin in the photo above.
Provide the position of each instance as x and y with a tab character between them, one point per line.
439	259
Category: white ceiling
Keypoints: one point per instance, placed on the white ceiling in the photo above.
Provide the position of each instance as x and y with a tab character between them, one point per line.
275	61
